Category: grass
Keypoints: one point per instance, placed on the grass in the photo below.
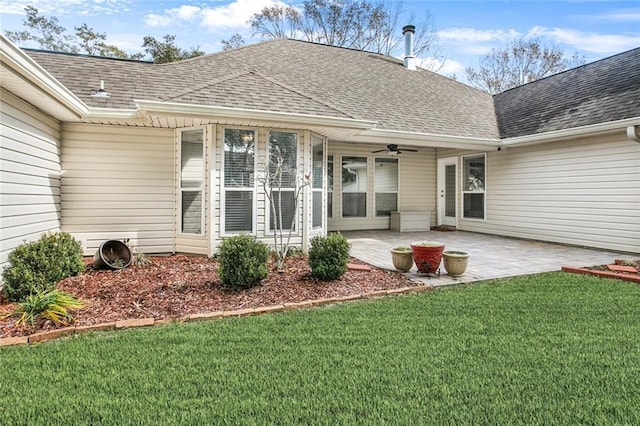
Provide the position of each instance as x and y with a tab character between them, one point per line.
545	349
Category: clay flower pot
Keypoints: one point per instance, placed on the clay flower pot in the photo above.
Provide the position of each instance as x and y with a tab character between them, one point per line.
402	258
455	262
427	255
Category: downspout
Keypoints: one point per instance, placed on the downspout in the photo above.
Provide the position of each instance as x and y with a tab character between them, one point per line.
633	134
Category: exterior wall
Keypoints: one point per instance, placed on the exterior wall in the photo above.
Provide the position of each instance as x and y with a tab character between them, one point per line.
117	183
30	174
416	180
581	192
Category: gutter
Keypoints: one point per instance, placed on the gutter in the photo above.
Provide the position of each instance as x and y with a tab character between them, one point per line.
426	140
172	108
19	62
576	131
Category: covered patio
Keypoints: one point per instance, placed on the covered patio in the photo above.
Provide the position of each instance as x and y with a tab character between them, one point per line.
490	256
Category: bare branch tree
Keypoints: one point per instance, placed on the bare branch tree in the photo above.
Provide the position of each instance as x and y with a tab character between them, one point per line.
370	25
233	43
521	61
274	177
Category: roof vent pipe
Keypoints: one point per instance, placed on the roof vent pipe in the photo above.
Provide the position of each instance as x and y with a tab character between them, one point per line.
409	60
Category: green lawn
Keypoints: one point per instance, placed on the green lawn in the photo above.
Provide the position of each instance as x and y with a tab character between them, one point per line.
546	349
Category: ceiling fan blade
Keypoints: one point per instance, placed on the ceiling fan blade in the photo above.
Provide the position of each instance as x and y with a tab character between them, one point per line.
380	150
409	150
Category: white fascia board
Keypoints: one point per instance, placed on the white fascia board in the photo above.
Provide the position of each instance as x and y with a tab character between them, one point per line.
112	113
172	108
382	136
619	125
14	58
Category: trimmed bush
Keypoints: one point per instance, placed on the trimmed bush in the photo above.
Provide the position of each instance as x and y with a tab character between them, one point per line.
328	256
243	262
38	266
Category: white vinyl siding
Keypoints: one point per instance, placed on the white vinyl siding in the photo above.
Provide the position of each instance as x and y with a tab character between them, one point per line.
30	175
119	182
416	185
582	192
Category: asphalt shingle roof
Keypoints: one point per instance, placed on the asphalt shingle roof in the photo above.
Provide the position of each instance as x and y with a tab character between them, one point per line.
309	78
289	76
602	91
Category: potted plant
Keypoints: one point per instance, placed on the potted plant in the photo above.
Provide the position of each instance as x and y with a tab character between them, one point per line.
427	255
112	254
455	262
402	258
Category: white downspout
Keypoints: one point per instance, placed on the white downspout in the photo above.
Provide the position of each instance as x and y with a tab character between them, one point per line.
633	134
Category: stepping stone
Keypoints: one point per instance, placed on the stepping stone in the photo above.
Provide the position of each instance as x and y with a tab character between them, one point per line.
357	267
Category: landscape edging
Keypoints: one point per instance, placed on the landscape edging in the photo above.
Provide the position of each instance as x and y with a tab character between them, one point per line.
152	322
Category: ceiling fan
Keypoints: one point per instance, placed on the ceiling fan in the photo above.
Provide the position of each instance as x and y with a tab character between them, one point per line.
392	149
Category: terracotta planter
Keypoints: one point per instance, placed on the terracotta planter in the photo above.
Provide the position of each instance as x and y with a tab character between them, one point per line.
455	262
402	258
427	255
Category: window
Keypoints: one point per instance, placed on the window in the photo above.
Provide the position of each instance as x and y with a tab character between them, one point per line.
386	185
239	180
192	172
283	152
474	187
317	176
354	186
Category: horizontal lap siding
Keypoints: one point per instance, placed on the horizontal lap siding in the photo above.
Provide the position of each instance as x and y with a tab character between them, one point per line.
117	183
30	174
578	192
416	192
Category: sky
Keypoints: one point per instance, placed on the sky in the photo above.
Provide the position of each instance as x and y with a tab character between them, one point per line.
465	29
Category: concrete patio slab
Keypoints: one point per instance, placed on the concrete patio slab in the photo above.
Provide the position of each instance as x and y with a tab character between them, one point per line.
491	256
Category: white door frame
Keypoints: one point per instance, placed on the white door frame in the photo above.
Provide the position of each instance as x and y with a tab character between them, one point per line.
442	218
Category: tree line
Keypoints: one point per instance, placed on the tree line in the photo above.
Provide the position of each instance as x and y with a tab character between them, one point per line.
370	25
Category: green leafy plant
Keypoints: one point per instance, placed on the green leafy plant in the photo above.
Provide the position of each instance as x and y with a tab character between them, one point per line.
402	248
52	304
328	256
37	266
243	262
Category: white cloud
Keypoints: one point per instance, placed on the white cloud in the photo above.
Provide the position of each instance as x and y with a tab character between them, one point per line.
447	67
472	35
67	7
620	15
154	20
235	14
588	41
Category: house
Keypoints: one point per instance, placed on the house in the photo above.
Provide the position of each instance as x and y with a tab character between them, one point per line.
171	155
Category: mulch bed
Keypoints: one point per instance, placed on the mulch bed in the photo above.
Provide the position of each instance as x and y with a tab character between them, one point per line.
180	285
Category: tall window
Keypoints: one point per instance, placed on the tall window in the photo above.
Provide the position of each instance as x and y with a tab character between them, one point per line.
239	180
474	186
283	152
386	185
192	172
317	177
354	186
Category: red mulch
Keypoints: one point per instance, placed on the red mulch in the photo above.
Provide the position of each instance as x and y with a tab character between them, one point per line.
179	285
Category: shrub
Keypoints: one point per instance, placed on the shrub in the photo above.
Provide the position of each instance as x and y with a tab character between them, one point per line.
53	305
37	266
243	262
328	256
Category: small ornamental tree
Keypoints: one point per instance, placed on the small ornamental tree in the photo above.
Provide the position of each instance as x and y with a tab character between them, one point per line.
279	177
